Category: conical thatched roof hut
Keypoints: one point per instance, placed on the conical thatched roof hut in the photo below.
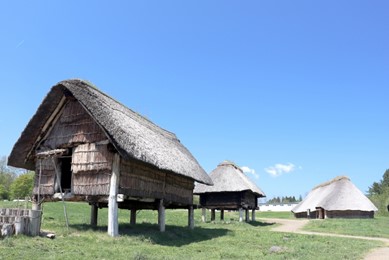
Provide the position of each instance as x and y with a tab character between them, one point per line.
84	143
232	190
338	198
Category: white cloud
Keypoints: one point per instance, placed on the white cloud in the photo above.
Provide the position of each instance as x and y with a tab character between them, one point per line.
280	169
248	170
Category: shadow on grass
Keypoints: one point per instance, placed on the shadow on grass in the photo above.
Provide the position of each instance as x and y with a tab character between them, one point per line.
175	236
260	224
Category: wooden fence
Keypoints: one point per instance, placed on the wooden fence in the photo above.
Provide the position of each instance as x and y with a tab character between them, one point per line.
20	221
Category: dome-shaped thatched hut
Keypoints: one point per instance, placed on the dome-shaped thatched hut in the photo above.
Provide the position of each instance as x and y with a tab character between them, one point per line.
86	146
338	198
232	190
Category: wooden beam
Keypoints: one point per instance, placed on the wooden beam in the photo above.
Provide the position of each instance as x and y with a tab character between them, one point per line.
253	215
133	216
222	214
93	215
113	224
213	214
247	215
191	217
161	216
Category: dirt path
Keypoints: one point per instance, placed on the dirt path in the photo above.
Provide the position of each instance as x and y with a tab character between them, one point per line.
295	226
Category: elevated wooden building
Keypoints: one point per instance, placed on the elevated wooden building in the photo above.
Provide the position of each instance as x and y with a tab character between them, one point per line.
85	146
232	190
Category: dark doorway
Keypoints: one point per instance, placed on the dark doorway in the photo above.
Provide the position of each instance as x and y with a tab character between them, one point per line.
66	173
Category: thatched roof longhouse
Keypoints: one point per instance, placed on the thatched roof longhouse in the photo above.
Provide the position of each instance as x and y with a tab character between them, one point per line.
133	136
338	195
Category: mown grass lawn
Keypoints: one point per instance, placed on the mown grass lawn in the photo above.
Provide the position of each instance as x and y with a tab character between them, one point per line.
212	240
376	227
275	214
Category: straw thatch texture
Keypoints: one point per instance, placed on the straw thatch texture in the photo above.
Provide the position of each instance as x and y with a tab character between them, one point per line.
132	135
139	180
46	172
91	157
228	177
74	126
91	167
91	182
339	196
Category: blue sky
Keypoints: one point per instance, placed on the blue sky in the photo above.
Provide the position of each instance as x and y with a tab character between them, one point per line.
295	91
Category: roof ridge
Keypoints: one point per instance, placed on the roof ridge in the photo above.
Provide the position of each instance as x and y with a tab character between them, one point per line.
337	178
148	121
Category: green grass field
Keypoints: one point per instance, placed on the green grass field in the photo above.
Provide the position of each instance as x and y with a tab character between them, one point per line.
212	240
274	214
377	227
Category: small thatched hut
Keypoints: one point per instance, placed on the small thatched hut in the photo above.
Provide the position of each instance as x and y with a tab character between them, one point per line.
232	190
338	198
85	146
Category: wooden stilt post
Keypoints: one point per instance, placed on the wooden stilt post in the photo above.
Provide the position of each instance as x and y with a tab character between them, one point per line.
247	215
203	214
253	215
35	218
213	214
113	224
222	214
191	217
240	214
161	216
93	215
133	216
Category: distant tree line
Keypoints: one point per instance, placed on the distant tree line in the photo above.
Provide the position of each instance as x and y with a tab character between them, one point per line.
286	199
14	184
378	193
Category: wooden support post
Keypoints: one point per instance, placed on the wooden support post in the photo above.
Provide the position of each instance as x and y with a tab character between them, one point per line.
161	216
191	217
35	222
93	215
247	215
203	214
133	217
213	214
113	224
240	214
253	215
222	214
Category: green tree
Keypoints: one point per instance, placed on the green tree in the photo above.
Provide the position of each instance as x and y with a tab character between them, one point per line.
22	186
375	189
385	179
378	193
378	187
6	180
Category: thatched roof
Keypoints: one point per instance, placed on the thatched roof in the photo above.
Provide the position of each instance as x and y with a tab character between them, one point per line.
228	177
338	194
131	134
